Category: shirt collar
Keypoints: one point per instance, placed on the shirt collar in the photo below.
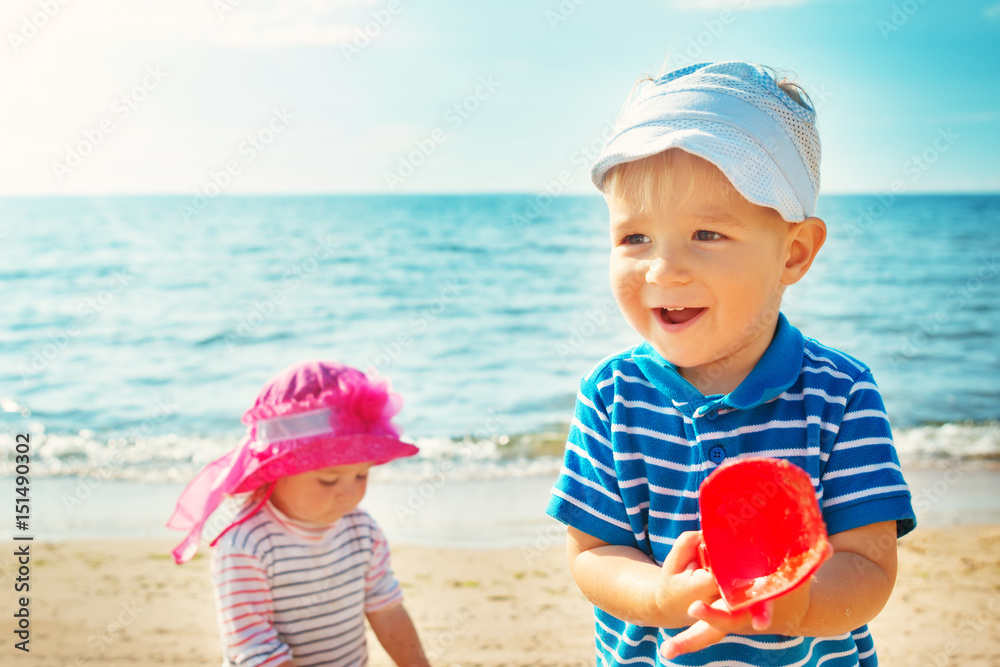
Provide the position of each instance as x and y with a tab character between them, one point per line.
306	529
776	371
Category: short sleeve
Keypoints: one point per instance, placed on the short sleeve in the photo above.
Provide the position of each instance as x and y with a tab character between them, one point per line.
586	494
381	588
246	610
862	481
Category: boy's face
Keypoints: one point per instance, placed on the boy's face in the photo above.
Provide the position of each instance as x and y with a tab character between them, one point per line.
709	252
324	495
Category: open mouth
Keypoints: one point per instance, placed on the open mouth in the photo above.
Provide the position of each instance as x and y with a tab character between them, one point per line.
679	315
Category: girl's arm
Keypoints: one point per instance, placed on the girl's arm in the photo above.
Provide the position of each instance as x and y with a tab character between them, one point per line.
398	637
627	584
245	608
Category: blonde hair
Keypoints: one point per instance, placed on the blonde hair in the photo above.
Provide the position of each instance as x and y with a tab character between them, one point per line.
647	182
794	90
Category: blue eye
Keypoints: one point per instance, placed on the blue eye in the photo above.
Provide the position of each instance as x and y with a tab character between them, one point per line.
635	239
705	235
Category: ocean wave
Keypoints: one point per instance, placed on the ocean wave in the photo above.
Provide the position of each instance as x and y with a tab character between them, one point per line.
966	442
175	458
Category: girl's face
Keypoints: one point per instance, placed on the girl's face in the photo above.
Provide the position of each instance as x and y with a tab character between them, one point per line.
322	496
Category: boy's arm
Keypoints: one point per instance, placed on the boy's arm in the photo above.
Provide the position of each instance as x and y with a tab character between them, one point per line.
846	592
851	588
398	636
627	584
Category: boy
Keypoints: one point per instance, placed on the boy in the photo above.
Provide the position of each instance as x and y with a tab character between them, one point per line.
711	181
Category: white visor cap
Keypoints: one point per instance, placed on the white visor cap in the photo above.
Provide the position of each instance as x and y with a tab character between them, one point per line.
734	115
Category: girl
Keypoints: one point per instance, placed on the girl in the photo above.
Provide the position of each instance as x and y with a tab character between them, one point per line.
301	564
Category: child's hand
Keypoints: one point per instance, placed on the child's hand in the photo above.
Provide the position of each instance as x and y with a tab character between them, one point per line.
682	580
716	620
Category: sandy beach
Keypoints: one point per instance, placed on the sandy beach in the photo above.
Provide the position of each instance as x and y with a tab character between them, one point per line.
125	603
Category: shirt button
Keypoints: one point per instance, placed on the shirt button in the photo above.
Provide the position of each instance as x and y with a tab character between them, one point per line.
711	415
717	454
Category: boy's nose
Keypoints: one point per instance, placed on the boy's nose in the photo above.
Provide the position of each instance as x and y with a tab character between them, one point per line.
665	271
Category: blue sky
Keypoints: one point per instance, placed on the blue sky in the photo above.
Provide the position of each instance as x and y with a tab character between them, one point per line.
290	96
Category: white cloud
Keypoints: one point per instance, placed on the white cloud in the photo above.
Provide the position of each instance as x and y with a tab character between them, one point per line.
717	5
235	23
276	23
992	12
272	36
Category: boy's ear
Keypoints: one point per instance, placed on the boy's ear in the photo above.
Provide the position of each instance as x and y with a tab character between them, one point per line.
803	243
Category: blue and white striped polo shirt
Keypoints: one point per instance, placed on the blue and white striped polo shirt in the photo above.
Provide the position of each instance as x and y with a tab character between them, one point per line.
643	439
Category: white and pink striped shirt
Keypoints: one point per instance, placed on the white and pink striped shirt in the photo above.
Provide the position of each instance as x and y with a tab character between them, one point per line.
290	591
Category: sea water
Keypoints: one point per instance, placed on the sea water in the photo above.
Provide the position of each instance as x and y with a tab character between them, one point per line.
134	332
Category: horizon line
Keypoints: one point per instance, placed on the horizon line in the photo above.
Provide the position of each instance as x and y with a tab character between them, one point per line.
443	193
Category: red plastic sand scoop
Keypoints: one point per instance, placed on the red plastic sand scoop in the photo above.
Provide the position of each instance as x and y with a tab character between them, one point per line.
762	531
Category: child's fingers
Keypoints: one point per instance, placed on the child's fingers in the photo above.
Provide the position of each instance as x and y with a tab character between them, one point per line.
701	584
683	553
695	638
682	579
719	617
761	614
689	585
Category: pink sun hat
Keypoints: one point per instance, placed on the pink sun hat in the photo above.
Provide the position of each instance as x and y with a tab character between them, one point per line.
313	415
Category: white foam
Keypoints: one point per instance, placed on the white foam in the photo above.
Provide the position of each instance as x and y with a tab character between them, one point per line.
174	458
949	442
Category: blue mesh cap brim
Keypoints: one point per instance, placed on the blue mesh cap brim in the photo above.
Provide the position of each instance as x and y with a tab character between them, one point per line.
753	173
